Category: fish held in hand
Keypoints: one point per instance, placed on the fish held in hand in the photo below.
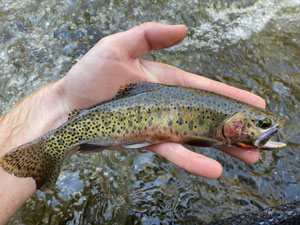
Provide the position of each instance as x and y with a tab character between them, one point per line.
143	114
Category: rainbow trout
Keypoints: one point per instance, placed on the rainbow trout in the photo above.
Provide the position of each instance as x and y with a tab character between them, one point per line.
143	114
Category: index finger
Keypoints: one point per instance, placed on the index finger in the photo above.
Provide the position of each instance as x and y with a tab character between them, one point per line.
163	73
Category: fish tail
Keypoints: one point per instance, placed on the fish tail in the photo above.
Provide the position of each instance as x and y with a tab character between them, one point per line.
33	160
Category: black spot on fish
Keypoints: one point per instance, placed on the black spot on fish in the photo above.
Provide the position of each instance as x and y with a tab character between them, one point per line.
140	119
180	121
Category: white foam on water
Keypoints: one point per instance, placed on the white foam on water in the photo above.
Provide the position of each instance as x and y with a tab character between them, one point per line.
232	24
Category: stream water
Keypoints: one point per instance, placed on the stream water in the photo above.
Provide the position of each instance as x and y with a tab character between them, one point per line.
250	44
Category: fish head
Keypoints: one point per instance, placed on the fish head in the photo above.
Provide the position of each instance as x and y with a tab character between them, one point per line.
252	131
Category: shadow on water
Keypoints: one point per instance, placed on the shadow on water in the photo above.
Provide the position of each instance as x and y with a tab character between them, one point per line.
250	44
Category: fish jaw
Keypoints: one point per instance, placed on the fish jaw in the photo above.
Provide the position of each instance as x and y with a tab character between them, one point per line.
273	145
264	140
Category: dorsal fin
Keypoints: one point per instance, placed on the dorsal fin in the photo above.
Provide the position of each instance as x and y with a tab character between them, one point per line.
125	90
74	113
135	88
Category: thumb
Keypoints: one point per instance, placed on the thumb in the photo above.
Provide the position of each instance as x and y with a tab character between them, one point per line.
146	37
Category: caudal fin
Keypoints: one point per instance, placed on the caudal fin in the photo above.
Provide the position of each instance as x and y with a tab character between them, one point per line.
33	160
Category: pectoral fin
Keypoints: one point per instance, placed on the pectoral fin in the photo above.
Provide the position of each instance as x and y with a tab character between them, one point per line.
201	141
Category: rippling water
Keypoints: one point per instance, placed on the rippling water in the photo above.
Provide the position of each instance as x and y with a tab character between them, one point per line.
250	44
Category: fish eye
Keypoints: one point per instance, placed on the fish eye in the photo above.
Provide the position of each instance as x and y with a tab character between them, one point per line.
264	123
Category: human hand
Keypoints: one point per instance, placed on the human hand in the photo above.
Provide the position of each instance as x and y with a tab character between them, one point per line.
115	61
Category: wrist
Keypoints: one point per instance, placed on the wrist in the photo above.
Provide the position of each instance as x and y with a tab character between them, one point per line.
38	113
53	109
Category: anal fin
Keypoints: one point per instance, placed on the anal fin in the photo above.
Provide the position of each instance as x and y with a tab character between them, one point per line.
136	88
136	144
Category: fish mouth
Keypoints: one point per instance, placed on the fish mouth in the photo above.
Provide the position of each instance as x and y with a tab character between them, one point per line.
264	140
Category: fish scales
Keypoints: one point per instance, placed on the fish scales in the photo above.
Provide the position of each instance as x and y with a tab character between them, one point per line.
140	115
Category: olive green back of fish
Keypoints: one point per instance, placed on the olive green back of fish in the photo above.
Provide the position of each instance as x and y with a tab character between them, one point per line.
141	114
